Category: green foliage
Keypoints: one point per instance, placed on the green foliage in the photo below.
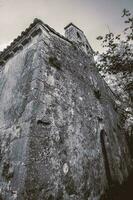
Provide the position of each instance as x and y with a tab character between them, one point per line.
118	54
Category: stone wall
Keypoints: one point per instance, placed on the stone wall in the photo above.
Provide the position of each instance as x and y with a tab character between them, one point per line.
73	33
60	132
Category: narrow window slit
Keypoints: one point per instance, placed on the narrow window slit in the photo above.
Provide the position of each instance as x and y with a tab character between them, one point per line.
44	123
105	157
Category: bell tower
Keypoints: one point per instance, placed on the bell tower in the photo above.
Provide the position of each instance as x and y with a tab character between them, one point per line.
73	33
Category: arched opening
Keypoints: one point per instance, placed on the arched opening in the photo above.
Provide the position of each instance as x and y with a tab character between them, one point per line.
79	36
103	136
87	47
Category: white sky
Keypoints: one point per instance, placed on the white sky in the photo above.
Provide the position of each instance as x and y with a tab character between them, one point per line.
92	16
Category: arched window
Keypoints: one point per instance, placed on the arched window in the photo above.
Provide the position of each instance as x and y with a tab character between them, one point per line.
87	47
79	36
103	137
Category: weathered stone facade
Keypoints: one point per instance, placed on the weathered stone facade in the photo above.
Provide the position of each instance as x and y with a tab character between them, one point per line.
60	128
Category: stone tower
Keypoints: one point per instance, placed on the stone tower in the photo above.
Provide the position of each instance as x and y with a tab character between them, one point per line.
60	126
73	33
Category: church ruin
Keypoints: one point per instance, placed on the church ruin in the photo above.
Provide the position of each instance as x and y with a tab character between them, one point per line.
61	134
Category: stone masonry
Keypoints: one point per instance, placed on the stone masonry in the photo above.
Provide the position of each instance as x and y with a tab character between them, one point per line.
61	135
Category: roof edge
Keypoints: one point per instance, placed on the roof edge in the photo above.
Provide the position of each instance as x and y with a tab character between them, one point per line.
71	24
16	44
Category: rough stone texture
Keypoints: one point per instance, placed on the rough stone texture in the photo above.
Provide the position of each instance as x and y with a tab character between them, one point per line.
74	34
60	129
121	84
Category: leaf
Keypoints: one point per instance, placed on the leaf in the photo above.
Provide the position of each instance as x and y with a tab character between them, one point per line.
99	38
125	13
126	29
127	21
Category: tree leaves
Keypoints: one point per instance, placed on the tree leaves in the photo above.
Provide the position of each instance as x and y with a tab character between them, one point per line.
99	38
125	13
119	53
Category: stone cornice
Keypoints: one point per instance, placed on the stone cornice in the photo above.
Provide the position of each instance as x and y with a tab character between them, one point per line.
18	43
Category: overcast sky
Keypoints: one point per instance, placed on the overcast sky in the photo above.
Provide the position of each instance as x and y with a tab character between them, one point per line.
92	16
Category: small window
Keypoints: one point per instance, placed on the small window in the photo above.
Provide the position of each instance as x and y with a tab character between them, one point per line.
103	138
78	35
87	47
